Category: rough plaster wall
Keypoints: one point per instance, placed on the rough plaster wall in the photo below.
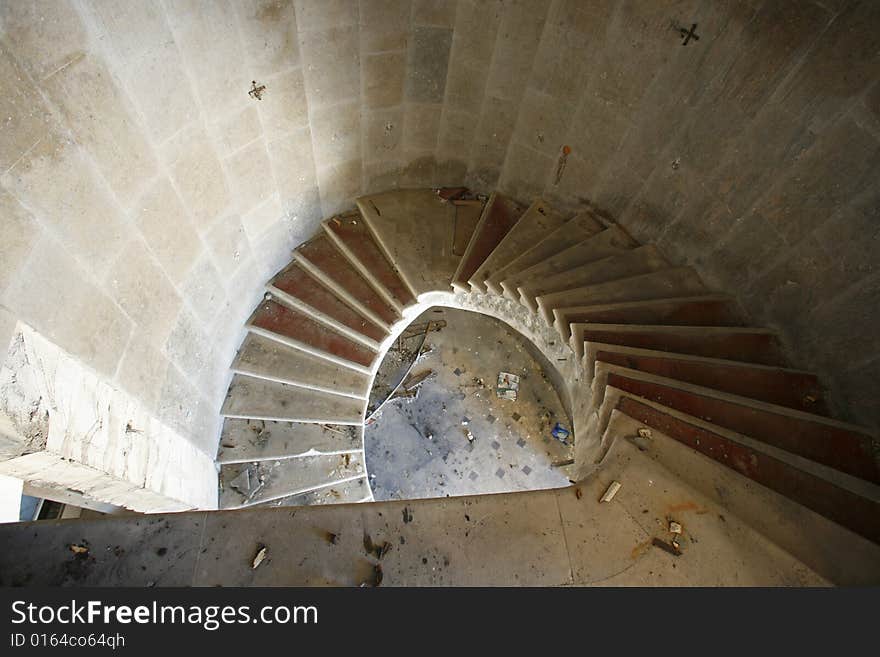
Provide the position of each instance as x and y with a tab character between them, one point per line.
56	407
145	197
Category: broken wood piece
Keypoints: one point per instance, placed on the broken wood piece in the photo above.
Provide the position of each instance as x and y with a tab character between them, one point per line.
414	380
259	557
451	193
610	492
666	547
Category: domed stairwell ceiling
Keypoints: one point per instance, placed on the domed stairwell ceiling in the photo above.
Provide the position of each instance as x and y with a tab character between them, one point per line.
161	160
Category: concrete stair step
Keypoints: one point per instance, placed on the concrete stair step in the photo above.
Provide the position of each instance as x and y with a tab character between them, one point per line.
538	221
352	236
249	484
246	440
311	296
499	217
609	242
467	216
707	310
783	387
321	258
641	260
249	397
574	231
854	510
747	495
676	282
749	345
264	358
841	446
414	228
347	492
303	331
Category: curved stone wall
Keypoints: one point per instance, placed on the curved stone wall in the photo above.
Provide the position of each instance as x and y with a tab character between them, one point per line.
146	195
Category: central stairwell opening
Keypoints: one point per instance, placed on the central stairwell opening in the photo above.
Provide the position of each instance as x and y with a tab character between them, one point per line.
461	405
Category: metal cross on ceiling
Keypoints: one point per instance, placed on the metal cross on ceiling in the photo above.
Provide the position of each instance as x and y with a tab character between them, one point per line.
689	34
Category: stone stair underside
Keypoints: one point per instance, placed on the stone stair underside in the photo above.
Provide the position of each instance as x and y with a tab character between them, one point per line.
653	346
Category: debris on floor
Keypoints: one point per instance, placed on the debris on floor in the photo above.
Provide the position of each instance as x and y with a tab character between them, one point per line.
560	433
562	464
645	433
79	549
377	550
410	387
416	447
450	193
377	577
250	480
666	547
674	527
508	386
610	492
260	556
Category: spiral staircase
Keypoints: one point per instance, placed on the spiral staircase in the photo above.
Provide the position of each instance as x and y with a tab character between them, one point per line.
727	464
648	360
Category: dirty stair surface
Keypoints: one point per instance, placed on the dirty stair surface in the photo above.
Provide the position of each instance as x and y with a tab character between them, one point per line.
655	347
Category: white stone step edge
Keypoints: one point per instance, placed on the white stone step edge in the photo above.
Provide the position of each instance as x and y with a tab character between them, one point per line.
237	369
288	457
300	491
338	290
308	349
364	271
292	302
279	418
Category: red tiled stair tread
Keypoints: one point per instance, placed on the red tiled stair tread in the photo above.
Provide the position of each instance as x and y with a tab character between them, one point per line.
296	282
672	312
322	254
274	317
761	348
467	216
830	445
842	506
503	215
355	234
798	390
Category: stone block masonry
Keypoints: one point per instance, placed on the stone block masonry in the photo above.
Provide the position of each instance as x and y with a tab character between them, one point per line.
146	197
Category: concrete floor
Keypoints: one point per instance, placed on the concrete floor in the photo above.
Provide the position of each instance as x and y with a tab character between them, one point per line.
418	447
